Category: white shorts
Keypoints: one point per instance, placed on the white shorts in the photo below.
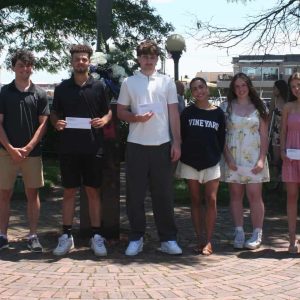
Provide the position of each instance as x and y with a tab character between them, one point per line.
186	172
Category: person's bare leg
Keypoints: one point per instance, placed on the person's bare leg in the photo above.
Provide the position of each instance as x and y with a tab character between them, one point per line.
68	206
93	195
236	203
292	206
211	189
33	209
5	196
257	208
197	212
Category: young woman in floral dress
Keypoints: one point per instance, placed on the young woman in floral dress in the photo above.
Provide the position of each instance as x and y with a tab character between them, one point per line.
246	166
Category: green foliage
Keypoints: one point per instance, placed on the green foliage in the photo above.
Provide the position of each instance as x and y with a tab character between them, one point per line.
49	27
213	91
51	173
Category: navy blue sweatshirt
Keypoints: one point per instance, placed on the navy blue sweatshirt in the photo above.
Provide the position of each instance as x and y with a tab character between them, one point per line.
203	137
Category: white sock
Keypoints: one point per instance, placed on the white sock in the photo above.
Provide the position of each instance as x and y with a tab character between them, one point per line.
239	228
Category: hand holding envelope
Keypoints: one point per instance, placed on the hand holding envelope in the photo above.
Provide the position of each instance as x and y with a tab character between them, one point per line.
78	123
155	107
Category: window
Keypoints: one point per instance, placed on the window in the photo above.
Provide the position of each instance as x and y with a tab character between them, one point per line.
262	73
288	71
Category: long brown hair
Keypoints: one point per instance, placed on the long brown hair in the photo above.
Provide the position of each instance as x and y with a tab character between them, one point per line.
254	98
296	76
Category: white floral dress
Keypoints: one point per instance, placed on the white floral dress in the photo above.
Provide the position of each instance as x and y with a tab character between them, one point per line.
243	141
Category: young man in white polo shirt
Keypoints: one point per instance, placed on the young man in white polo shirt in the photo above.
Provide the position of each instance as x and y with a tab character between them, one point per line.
148	102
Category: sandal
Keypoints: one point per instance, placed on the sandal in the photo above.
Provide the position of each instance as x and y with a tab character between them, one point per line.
207	250
198	249
293	249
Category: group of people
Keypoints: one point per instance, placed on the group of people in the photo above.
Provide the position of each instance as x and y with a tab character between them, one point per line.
208	144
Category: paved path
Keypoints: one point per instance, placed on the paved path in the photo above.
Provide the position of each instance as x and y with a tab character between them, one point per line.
267	273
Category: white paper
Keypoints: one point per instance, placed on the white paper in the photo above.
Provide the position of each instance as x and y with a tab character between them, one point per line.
78	123
155	107
245	171
293	154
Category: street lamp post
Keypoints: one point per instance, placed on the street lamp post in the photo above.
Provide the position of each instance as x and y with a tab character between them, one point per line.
175	44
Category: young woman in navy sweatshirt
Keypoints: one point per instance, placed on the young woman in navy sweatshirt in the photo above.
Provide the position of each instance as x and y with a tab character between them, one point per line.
203	137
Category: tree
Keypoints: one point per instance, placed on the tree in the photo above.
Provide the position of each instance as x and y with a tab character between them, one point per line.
49	27
273	28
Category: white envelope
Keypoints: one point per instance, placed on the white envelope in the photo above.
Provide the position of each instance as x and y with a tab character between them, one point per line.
155	107
293	154
78	123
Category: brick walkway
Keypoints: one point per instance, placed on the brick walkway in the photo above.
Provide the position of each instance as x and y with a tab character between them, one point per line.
267	273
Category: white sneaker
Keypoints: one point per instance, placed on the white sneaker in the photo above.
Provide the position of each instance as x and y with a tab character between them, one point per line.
170	247
135	247
65	244
255	241
239	239
97	245
33	244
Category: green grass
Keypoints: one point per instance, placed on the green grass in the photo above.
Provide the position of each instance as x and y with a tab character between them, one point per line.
51	173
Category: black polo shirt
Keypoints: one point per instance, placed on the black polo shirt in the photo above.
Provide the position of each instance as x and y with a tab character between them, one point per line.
21	111
87	101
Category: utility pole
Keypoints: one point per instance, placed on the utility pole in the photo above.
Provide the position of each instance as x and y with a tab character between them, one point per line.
110	189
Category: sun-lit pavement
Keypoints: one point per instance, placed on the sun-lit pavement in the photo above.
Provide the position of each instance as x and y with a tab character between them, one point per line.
267	273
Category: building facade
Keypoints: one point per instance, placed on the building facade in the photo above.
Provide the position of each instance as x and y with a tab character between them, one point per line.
264	70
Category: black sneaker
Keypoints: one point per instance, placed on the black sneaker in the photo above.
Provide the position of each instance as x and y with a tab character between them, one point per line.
34	245
3	242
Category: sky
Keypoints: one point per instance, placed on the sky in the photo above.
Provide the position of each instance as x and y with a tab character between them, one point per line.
183	15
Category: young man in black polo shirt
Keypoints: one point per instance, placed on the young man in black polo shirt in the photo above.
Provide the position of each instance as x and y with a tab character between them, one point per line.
23	116
80	110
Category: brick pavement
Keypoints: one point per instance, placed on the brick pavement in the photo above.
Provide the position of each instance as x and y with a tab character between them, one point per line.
267	273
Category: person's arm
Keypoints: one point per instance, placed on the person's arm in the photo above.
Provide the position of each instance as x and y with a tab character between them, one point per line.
56	122
229	158
15	153
264	143
175	130
100	122
272	108
283	131
41	130
56	114
222	131
124	114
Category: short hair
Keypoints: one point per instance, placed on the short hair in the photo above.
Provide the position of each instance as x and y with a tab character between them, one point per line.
24	56
197	78
282	87
294	76
147	47
81	48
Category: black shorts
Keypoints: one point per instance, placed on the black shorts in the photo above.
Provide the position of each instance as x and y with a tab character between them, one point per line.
78	169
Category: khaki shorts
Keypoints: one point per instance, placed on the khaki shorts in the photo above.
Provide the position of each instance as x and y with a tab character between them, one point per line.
31	169
203	176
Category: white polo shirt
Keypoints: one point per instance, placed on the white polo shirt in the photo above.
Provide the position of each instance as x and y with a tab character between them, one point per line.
139	90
